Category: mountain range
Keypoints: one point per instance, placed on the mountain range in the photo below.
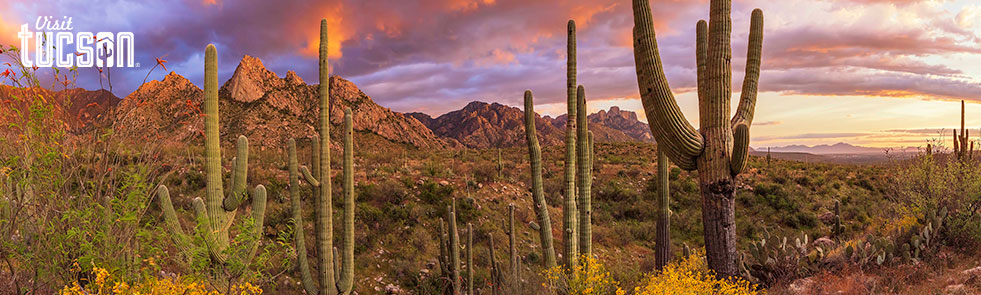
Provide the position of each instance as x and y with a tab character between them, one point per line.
268	109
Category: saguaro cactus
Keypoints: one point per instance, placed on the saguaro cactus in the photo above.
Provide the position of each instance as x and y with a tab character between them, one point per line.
330	282
570	215
663	236
513	247
963	147
584	176
469	258
217	212
454	245
342	271
541	207
718	150
837	230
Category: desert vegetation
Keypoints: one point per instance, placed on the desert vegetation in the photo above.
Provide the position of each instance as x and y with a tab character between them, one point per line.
102	209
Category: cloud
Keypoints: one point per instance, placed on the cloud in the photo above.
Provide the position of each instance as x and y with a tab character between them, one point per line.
437	55
768	123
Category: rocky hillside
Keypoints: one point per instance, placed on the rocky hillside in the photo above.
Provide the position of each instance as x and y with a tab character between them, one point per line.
268	109
78	108
614	125
482	125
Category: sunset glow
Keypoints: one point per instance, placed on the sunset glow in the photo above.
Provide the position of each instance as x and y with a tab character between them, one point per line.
872	73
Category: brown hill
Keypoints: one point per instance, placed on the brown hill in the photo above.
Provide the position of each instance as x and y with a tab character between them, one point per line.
614	125
483	125
77	108
257	103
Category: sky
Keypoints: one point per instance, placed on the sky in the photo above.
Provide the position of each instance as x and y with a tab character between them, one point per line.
876	73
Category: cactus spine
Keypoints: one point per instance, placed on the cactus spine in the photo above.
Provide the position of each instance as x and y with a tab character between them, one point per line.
584	177
570	221
718	150
334	277
217	212
454	248
541	207
662	253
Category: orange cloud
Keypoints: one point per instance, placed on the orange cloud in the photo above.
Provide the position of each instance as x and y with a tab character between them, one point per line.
337	29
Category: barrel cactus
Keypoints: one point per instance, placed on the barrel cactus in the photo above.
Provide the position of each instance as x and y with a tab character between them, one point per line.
217	211
718	150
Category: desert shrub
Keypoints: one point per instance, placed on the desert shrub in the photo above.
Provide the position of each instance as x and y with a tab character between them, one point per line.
485	171
589	277
104	283
692	276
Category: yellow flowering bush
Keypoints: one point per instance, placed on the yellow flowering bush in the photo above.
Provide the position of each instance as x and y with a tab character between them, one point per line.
104	284
692	276
587	278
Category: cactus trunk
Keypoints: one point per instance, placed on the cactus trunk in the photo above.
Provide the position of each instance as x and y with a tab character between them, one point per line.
513	247
583	175
469	259
662	254
570	220
718	150
541	207
454	247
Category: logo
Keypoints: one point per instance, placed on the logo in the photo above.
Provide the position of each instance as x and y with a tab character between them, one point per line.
54	39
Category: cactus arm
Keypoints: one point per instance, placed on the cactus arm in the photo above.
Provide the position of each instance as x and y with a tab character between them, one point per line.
346	283
701	52
743	118
747	100
538	196
308	177
204	226
258	218
170	218
299	238
337	268
668	124
240	171
740	147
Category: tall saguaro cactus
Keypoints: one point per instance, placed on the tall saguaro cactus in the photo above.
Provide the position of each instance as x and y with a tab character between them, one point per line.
537	193
330	282
718	150
454	248
963	147
584	175
217	212
663	236
470	267
570	215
